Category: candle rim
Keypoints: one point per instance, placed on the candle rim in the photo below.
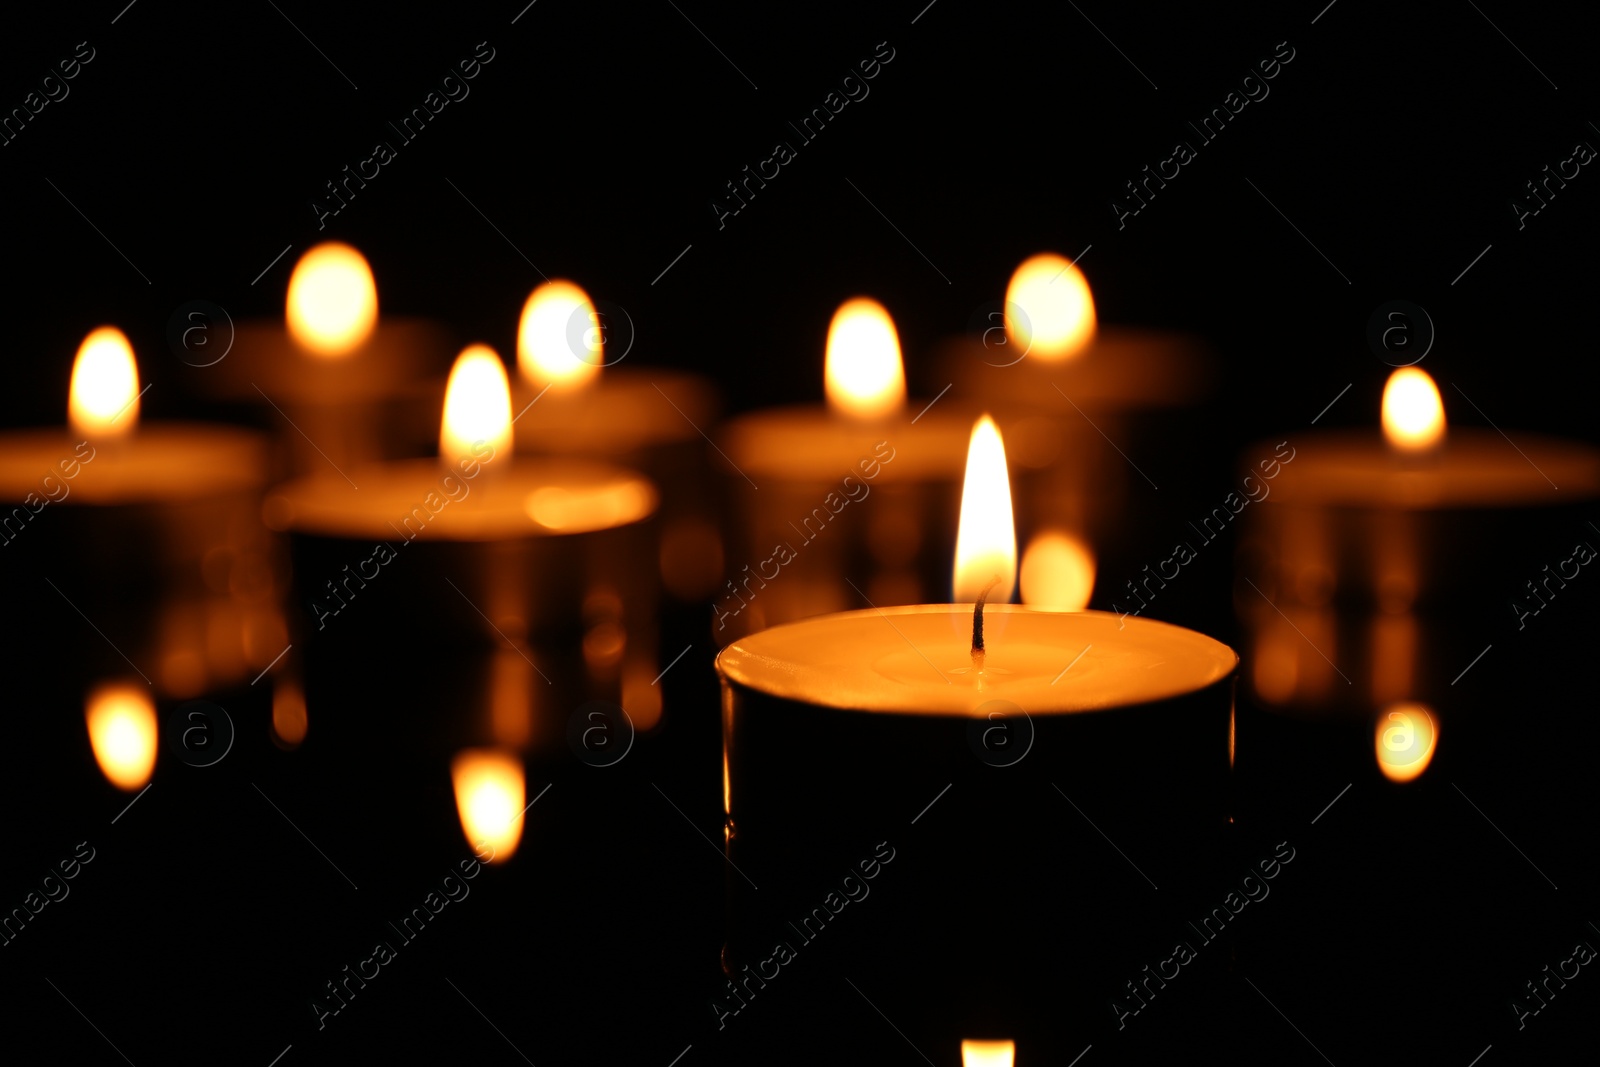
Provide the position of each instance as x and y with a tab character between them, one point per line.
740	665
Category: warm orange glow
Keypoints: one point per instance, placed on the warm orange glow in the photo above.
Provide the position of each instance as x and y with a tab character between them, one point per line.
511	698
1057	573
863	374
289	721
986	540
988	1053
560	341
1057	312
641	695
1413	414
489	797
574	509
103	400
477	405
333	302
122	732
1405	741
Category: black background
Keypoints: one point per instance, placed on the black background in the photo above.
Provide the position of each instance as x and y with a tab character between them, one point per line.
593	145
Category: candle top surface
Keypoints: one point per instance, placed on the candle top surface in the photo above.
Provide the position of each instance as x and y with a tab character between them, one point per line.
265	360
622	411
1473	467
1123	368
810	442
505	499
158	463
917	660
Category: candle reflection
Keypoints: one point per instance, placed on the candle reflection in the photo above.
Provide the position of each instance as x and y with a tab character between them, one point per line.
122	732
489	791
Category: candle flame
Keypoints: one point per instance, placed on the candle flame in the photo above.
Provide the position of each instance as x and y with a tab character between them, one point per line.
1057	572
988	1053
122	732
1413	414
863	373
1056	320
489	797
103	400
477	405
986	540
560	339
1405	740
332	306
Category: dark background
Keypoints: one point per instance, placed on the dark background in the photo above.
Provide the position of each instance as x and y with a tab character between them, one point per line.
593	145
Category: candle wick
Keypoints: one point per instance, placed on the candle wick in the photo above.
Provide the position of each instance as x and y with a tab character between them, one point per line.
978	654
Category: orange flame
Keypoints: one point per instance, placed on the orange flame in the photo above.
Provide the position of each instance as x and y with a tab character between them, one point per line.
103	400
1049	311
489	789
986	540
863	374
1413	414
332	306
560	341
122	732
477	405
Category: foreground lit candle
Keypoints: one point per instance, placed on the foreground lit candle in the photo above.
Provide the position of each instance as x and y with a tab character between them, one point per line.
846	724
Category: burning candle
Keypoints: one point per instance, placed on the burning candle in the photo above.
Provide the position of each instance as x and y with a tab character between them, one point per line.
145	528
509	552
1075	398
885	468
577	398
847	724
1361	533
332	368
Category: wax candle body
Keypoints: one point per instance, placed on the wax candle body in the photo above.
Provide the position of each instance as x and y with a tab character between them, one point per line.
862	735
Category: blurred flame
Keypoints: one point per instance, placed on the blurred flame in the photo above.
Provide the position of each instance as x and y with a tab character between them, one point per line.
1405	740
579	508
103	400
560	340
1057	319
489	797
863	373
477	405
1413	414
289	721
1057	572
988	1053
332	306
986	540
122	732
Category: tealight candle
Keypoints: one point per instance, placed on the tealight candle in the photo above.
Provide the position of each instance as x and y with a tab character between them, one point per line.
1074	398
798	470
575	397
526	556
1362	532
147	529
839	728
331	365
